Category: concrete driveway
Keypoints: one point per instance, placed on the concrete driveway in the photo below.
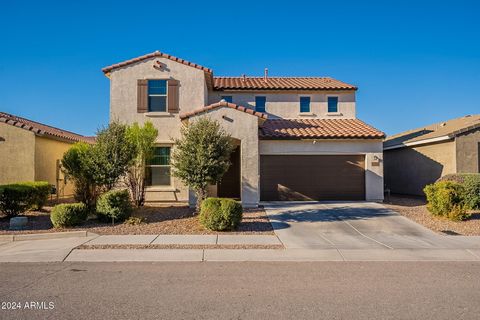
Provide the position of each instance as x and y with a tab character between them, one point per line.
354	225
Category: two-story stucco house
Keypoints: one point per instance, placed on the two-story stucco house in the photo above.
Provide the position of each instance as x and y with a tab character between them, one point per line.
298	138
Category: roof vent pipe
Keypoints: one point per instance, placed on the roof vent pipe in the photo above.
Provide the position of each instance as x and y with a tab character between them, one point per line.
244	77
265	75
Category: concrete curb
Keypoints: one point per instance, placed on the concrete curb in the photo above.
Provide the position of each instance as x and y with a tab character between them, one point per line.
45	236
271	255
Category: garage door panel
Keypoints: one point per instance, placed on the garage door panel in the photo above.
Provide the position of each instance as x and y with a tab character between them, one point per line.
313	177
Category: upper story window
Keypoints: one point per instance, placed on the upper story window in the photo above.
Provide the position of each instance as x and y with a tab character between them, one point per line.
157	95
304	104
260	103
227	98
158	168
332	104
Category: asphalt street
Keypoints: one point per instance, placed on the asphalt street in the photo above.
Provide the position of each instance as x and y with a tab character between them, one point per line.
241	290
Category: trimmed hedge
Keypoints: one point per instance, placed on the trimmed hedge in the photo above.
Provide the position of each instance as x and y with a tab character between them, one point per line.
18	198
114	205
68	215
220	214
446	199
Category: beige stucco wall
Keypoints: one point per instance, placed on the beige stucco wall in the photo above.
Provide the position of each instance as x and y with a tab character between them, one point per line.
17	154
287	105
193	94
468	152
123	107
47	152
123	94
372	149
408	170
244	127
27	157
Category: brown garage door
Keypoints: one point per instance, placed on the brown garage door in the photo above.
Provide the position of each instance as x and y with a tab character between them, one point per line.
312	177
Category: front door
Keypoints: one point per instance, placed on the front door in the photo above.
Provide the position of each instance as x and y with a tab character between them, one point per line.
229	187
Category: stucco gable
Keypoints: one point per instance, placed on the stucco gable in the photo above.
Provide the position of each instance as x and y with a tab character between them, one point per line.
223	104
157	54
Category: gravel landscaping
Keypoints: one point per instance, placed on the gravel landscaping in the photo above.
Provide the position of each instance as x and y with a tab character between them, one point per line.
415	209
161	219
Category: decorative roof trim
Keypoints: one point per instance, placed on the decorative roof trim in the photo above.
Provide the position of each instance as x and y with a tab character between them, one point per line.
220	104
159	54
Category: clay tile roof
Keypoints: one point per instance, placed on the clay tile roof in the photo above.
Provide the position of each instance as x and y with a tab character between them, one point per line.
449	128
223	104
280	83
43	129
151	55
318	129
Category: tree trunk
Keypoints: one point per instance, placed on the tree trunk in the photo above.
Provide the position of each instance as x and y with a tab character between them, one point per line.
200	194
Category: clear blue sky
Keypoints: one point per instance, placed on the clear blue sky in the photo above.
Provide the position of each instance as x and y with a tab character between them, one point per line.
415	62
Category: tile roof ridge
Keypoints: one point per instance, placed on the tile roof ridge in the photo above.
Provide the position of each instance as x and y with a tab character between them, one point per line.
156	53
275	77
32	124
14	117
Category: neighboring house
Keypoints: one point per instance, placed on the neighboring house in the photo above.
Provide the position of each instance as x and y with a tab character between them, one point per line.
298	138
418	157
31	151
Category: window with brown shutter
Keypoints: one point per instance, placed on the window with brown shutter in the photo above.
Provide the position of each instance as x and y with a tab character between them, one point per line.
142	95
173	96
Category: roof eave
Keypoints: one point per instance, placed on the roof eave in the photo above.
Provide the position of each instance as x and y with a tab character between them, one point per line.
419	142
107	70
281	89
321	138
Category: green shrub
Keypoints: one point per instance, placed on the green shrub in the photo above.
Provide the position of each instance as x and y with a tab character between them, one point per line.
15	199
458	213
68	215
471	185
220	214
446	198
114	206
136	221
41	191
19	197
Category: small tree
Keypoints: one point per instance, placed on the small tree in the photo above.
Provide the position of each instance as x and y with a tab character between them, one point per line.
144	140
77	165
201	156
113	153
98	167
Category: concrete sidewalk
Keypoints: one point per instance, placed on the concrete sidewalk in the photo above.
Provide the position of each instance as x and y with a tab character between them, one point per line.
63	249
55	247
48	250
236	239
